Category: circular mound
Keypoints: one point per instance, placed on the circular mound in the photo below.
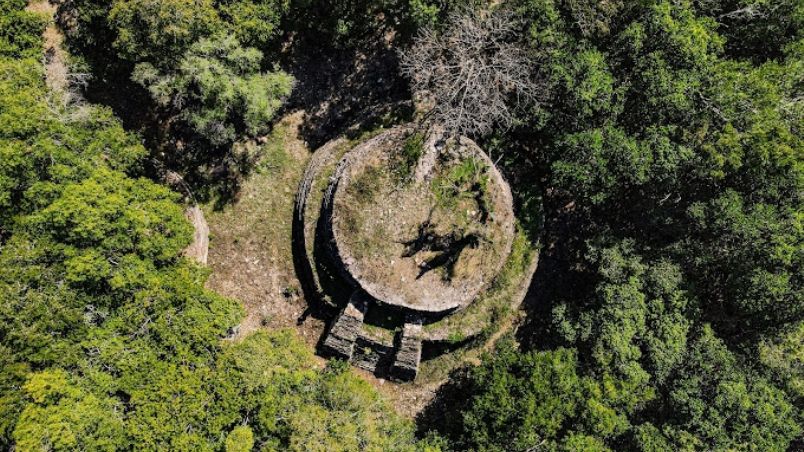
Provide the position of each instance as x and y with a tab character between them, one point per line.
422	223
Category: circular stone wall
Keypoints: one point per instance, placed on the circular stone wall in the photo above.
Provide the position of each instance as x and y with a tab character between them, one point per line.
419	223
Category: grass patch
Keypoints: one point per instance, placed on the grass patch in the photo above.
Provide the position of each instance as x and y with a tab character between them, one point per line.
274	157
251	256
468	180
405	159
367	185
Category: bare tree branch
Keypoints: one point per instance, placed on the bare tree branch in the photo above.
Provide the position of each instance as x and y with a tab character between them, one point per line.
476	73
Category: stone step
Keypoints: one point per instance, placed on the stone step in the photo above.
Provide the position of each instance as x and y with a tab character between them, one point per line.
346	328
409	354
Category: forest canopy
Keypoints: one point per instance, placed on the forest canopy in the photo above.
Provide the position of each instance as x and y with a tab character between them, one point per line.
108	338
671	160
660	140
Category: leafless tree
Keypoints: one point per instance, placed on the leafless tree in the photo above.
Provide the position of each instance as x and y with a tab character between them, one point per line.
475	72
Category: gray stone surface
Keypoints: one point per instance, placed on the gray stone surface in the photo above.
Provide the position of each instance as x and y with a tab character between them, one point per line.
373	356
409	354
346	328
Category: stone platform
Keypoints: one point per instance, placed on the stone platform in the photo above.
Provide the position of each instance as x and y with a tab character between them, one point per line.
379	323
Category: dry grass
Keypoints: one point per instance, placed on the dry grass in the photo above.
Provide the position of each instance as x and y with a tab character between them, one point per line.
251	240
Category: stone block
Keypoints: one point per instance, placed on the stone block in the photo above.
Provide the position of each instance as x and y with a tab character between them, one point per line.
409	354
346	328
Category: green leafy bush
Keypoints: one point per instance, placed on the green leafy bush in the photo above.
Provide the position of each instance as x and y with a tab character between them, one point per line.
218	89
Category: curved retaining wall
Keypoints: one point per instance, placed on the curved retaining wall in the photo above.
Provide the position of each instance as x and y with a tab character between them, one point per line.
346	264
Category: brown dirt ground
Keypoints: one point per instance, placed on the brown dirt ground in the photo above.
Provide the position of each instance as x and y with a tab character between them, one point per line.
250	244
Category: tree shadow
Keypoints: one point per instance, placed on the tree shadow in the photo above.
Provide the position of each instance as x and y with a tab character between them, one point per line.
447	248
557	278
345	86
443	414
178	156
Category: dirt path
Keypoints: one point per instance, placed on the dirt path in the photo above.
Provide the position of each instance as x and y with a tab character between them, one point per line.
56	69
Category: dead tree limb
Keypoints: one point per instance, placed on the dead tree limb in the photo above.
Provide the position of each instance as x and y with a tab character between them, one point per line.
476	72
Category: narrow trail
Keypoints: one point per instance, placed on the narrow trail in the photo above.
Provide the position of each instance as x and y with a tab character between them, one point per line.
55	57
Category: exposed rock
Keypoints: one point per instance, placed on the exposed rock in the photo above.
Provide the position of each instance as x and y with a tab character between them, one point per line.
373	356
340	341
432	148
199	249
406	364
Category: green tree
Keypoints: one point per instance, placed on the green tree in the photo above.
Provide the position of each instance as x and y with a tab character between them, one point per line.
19	30
240	439
670	164
519	401
254	23
714	404
61	416
190	57
783	357
218	89
160	31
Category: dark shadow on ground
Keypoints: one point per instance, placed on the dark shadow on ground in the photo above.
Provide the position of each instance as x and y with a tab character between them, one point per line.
130	102
556	278
194	167
346	90
337	290
443	413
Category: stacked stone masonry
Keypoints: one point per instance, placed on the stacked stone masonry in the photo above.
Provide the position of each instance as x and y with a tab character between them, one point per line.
409	354
375	330
340	341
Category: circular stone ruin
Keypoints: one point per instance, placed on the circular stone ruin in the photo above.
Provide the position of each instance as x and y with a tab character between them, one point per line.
401	232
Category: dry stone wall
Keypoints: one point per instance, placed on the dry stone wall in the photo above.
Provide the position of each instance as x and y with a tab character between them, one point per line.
398	356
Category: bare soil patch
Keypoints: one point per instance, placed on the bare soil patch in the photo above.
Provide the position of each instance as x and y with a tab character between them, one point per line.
251	239
428	245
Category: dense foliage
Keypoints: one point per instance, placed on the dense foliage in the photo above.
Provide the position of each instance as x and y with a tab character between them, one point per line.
215	81
194	58
108	339
667	314
671	164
